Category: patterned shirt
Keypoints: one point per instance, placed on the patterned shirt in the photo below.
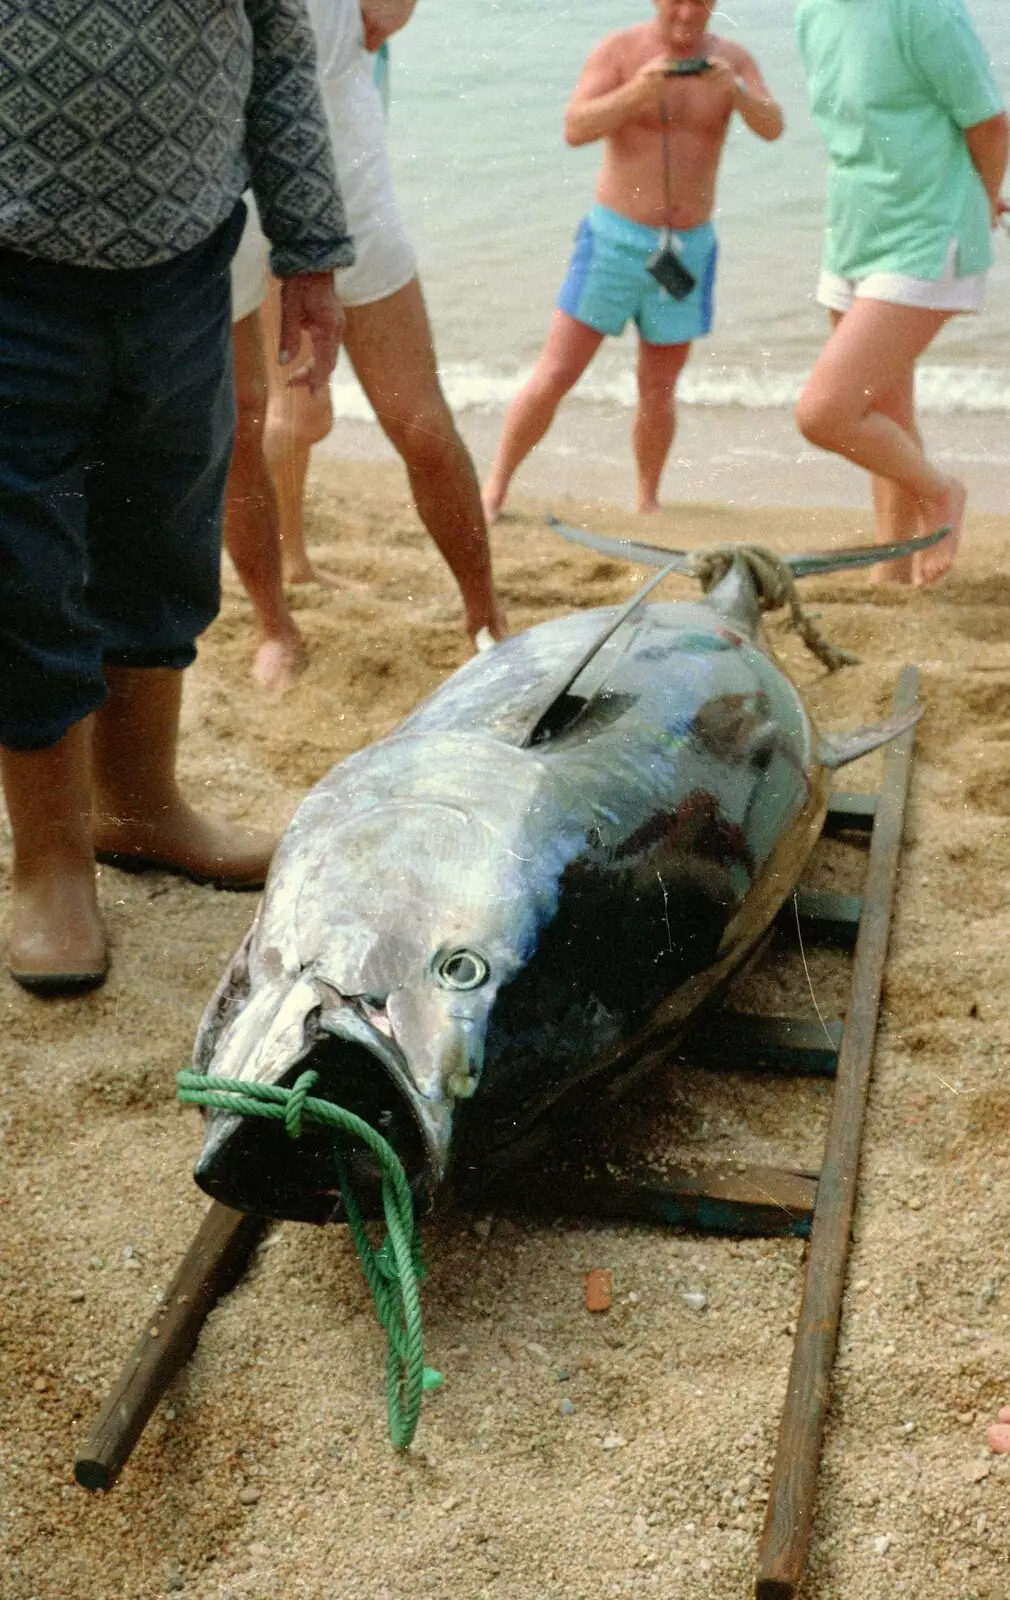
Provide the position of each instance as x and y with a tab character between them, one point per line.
129	129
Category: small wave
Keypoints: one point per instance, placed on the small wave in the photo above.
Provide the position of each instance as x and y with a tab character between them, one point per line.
470	386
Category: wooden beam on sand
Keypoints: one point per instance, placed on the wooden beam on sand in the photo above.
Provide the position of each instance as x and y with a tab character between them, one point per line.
792	1496
210	1267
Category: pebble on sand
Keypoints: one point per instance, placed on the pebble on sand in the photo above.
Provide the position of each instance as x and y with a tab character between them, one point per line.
599	1289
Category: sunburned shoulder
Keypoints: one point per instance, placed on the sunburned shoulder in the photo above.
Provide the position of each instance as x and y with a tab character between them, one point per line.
729	50
626	50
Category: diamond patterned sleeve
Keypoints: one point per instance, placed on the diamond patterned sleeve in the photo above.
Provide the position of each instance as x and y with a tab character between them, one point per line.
288	145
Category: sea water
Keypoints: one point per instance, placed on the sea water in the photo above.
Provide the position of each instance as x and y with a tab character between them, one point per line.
492	196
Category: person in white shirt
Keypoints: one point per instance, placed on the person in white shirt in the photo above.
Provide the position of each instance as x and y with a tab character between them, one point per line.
389	342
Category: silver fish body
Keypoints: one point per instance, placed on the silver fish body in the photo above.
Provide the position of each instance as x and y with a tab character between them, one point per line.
460	926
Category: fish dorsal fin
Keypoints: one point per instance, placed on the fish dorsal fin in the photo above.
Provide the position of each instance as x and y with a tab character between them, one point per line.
543	721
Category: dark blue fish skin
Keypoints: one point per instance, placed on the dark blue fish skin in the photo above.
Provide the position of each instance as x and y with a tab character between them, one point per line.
611	877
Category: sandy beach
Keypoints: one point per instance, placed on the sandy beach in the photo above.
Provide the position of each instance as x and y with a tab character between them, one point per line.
266	1474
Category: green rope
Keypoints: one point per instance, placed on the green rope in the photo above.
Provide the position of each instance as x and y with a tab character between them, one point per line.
392	1272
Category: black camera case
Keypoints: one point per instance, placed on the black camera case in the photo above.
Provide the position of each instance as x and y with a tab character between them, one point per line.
669	271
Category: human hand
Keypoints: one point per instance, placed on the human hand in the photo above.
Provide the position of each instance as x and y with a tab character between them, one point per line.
309	305
646	85
723	74
381	18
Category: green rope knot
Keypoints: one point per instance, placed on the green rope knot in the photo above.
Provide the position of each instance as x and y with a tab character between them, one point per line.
394	1271
297	1097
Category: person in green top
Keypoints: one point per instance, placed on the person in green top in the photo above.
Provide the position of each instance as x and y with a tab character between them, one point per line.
905	100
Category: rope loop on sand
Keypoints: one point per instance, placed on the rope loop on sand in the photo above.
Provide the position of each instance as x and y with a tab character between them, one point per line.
394	1271
776	587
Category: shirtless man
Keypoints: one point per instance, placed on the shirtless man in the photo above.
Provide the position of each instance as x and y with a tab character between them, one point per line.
663	138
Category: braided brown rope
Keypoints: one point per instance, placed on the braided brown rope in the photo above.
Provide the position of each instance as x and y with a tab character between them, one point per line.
776	587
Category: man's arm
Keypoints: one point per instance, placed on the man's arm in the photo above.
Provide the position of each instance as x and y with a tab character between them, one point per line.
383	18
288	145
293	178
751	96
989	147
603	100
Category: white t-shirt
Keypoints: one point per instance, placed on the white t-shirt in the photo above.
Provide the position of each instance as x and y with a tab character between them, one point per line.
339	32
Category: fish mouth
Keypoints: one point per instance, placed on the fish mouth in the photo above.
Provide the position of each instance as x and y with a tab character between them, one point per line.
252	1164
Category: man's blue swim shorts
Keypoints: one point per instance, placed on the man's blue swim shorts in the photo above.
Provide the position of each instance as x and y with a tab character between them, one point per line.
607	282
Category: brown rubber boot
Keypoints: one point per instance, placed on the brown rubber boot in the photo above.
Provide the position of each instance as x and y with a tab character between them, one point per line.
140	820
57	941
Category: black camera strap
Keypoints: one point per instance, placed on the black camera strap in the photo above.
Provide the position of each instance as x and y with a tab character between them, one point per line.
667	196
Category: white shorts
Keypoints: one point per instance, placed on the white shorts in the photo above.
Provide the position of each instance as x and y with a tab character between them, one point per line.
948	292
384	257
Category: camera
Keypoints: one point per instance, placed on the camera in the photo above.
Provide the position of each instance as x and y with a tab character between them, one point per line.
686	69
669	270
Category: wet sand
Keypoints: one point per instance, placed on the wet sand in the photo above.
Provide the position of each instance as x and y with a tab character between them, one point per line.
266	1474
736	457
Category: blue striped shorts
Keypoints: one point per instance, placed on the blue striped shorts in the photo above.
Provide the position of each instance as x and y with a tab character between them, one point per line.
607	284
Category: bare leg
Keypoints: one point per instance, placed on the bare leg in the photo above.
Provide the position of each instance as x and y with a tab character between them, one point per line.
251	530
659	367
569	349
999	1433
295	421
391	350
871	353
57	943
896	512
140	819
896	509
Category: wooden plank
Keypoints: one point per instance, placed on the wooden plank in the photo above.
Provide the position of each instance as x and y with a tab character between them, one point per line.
789	1519
756	1201
209	1268
748	1042
850	813
825	917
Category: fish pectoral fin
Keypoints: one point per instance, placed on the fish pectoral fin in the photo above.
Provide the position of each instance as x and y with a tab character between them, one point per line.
837	749
646	555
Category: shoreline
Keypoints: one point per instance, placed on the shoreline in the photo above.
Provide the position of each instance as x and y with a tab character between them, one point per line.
730	455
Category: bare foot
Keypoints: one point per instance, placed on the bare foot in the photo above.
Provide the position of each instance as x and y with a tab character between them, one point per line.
648	507
946	511
304	572
57	942
902	571
492	498
489	629
279	663
999	1434
228	855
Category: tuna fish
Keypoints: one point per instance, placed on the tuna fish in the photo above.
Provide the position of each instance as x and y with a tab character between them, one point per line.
536	880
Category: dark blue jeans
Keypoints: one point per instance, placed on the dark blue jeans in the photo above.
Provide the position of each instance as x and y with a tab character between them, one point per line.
117	421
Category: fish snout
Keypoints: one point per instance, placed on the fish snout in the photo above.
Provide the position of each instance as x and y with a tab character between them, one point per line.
255	1165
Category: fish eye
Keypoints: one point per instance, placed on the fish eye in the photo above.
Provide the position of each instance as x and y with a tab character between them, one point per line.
462	969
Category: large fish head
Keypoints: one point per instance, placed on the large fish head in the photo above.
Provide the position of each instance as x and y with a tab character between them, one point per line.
375	962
